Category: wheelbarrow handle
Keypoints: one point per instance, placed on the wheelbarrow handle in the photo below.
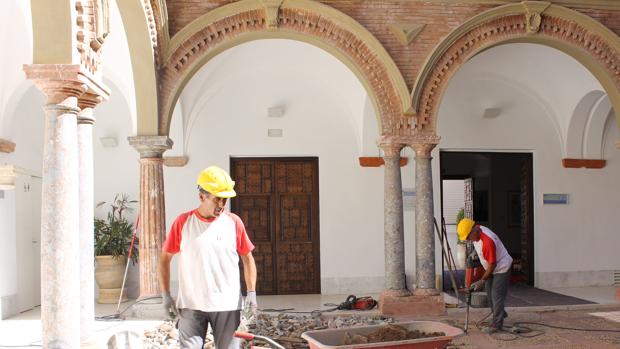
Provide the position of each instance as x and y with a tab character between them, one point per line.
250	336
244	335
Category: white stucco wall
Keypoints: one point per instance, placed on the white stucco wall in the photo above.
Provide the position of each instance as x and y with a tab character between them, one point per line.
16	40
575	244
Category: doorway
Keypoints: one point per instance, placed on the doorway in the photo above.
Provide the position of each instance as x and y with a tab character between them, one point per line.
497	192
28	230
278	201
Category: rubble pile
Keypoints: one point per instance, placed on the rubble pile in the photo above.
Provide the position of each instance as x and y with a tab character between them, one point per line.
284	328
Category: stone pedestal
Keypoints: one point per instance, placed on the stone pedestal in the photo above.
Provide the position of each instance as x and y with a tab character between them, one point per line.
414	306
394	240
152	226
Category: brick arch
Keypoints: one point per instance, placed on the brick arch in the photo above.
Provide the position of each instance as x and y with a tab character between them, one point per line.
302	20
580	36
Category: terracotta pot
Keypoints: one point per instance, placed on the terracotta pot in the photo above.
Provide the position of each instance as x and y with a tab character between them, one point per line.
109	273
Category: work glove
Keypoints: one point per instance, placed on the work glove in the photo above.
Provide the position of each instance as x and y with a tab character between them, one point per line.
478	285
250	300
169	304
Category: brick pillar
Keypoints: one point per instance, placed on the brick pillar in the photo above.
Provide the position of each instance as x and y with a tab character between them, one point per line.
425	237
394	240
60	255
152	209
86	120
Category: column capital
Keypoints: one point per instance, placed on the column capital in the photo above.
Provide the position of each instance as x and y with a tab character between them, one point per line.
150	146
63	83
87	102
423	144
391	145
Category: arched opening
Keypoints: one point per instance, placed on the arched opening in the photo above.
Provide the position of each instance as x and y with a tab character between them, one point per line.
577	35
301	20
272	103
500	105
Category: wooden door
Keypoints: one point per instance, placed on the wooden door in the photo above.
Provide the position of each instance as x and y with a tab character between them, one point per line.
278	201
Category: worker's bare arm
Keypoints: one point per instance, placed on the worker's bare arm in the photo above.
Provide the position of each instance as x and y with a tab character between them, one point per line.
164	271
249	271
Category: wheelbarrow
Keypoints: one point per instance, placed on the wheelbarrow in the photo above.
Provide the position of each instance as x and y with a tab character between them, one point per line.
252	337
333	338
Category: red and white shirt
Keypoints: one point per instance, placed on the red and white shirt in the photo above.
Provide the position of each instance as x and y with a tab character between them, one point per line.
208	260
491	250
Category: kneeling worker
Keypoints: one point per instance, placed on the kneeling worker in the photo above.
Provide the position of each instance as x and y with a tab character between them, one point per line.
496	262
208	242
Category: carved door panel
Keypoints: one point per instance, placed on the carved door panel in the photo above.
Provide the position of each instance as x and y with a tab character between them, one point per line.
277	199
469	198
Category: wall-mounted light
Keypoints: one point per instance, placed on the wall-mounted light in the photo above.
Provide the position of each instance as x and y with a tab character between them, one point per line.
275	112
491	113
274	132
108	142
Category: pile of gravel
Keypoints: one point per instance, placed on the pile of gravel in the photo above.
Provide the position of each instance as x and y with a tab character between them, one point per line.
284	328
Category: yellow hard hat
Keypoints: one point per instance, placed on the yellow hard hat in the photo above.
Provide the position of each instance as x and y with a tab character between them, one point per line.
464	228
216	181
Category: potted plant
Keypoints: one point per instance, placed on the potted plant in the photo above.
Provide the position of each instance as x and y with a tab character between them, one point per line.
112	243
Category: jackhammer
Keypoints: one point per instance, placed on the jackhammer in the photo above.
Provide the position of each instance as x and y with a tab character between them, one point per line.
468	293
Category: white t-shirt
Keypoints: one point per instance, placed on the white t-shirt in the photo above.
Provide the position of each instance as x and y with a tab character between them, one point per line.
208	260
490	249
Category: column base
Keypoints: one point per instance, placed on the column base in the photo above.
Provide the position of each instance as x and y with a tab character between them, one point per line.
426	292
414	305
150	309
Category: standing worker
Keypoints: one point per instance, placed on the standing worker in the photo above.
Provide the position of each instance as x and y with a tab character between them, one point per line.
496	262
209	242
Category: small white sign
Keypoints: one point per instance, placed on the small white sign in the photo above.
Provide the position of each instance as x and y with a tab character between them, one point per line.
555	199
408	199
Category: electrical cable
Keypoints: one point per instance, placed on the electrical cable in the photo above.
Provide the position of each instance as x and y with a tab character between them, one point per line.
565	328
520	330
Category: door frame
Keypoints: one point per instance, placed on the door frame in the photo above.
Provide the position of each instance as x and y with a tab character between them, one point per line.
315	230
529	157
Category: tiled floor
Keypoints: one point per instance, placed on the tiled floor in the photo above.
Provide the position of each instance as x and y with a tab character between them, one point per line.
25	328
600	295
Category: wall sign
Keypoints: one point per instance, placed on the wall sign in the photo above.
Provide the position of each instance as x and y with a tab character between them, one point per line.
555	199
408	199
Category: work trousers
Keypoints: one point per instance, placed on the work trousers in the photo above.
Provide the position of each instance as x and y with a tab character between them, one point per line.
193	326
497	290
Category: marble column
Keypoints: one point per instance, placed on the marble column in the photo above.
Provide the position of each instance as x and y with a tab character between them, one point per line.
86	120
152	226
60	255
394	240
424	237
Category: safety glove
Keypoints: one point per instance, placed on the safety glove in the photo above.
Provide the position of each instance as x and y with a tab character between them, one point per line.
250	300
478	285
169	304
